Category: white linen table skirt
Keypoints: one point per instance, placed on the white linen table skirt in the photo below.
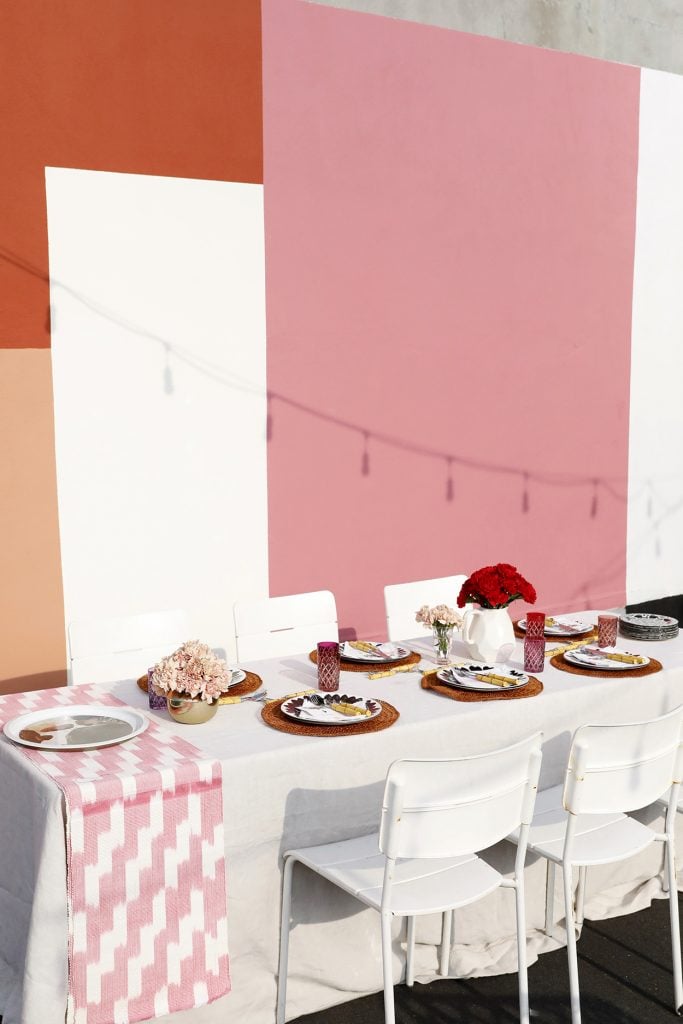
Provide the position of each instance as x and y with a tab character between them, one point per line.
283	791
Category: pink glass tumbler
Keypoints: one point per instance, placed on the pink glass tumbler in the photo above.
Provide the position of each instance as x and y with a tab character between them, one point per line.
607	630
534	654
535	625
157	699
328	665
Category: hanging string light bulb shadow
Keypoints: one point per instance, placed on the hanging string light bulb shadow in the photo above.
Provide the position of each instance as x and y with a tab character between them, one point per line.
450	489
594	501
169	387
525	495
269	419
365	460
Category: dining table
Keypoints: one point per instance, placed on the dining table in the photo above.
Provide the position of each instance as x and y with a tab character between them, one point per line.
282	791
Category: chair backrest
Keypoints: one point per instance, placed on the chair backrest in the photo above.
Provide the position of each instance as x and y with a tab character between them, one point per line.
277	626
623	767
402	601
454	807
104	650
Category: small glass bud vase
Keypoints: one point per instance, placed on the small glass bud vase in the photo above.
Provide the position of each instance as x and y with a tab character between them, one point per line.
443	638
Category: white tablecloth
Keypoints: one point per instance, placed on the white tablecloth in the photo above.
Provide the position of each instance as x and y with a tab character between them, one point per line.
282	791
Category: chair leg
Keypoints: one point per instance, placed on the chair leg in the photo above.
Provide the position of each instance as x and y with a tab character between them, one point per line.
446	942
675	928
580	895
571	945
550	899
410	952
521	953
284	940
387	973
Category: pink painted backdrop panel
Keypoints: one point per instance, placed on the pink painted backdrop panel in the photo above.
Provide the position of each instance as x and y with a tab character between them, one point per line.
450	231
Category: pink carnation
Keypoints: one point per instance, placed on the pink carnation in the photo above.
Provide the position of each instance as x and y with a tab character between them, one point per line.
193	670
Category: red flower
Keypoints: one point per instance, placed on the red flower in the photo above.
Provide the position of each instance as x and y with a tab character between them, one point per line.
496	586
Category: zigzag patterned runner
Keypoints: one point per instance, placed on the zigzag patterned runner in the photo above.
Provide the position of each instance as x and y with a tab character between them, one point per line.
145	869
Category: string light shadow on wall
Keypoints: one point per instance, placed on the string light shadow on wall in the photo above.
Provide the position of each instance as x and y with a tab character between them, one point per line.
369	438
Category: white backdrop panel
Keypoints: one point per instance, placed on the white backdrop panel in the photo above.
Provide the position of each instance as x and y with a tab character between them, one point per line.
159	363
655	511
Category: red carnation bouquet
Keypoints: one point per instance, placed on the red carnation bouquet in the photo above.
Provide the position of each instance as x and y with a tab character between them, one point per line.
496	586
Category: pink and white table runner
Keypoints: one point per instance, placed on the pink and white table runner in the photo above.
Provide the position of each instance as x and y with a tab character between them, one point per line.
145	869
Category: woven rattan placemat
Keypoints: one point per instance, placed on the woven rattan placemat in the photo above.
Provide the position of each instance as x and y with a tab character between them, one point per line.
272	715
583	637
430	682
249	684
574	670
370	666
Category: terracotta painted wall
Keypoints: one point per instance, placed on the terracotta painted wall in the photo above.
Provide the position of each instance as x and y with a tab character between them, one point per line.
151	88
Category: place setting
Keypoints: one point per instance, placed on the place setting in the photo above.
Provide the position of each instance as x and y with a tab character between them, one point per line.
315	713
602	656
478	681
365	655
326	711
557	627
193	682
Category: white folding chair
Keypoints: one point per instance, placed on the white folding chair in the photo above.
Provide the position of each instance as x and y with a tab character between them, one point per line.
612	769
104	650
436	816
402	601
274	627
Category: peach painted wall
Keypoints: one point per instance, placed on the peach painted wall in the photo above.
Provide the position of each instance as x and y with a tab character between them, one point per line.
31	605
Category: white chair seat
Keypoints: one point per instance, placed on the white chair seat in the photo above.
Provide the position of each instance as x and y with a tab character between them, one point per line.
664	800
598	839
420	886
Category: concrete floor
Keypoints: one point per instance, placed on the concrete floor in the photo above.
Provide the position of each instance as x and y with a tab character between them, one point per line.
624	972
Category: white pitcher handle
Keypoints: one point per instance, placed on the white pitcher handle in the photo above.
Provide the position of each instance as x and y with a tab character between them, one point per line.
467	617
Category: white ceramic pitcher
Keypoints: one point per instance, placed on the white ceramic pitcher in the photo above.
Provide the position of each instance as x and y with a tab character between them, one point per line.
488	634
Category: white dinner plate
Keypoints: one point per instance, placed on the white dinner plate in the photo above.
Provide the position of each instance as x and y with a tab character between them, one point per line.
79	727
458	677
303	709
562	627
592	657
392	651
238	676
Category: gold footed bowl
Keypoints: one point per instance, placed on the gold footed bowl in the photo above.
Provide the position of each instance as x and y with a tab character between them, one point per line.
191	710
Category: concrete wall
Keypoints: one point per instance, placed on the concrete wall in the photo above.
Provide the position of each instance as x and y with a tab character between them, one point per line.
644	32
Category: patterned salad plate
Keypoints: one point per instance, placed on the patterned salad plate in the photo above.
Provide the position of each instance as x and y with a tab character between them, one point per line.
595	657
78	727
562	627
465	677
386	653
318	709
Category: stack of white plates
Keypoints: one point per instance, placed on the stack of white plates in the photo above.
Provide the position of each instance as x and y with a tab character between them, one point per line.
648	626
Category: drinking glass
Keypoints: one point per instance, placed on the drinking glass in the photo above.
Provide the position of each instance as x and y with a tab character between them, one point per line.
157	700
535	625
607	630
328	665
534	654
